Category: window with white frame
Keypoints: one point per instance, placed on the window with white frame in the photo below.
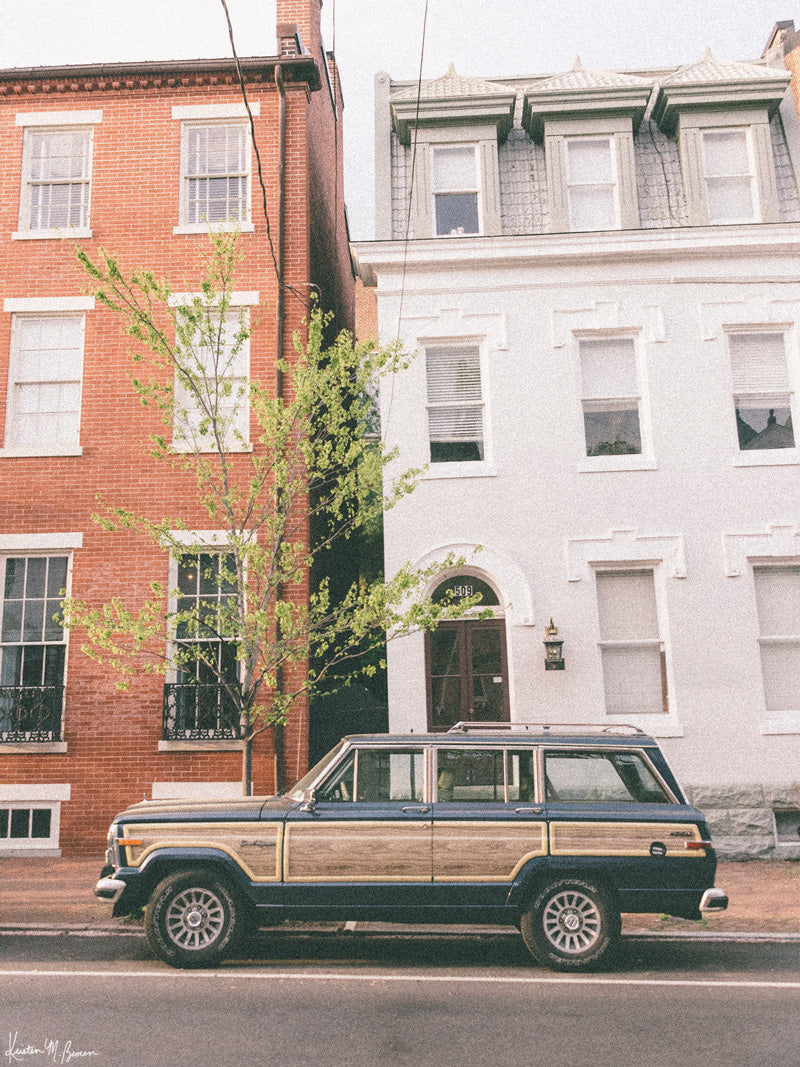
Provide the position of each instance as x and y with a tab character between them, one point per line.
44	394
32	647
610	396
199	704
212	397
55	182
631	649
455	190
215	178
591	178
729	176
777	591
455	403
761	393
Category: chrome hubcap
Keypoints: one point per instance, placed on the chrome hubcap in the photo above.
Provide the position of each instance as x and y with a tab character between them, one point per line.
195	918
571	921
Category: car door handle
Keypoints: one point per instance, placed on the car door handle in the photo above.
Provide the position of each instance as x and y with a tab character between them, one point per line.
528	811
416	811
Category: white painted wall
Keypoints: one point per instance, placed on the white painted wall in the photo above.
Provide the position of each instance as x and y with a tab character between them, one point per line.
538	510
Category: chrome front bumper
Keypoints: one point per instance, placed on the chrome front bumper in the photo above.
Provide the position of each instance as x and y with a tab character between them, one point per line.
714	900
109	889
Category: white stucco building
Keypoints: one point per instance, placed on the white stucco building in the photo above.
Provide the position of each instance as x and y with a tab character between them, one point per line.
599	274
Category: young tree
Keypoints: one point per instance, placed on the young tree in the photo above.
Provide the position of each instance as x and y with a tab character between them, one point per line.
284	475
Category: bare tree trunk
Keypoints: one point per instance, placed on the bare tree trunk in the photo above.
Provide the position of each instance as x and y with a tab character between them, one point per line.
247	766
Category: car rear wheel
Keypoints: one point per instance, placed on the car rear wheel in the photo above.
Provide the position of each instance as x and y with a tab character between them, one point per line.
571	925
192	920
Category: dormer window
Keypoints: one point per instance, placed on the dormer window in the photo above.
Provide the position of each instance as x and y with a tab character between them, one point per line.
455	185
591	183
728	175
721	112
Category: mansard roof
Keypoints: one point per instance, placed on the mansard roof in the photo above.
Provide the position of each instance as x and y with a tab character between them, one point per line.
580	91
453	101
718	85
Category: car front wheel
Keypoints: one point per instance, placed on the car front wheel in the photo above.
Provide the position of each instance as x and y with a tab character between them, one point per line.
192	920
571	925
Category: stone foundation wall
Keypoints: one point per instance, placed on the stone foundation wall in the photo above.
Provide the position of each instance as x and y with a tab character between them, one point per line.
742	819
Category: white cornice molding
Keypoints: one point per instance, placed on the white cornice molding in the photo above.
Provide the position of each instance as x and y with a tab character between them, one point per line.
677	244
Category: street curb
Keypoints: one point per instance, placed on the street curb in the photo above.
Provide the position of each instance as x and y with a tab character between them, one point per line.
350	929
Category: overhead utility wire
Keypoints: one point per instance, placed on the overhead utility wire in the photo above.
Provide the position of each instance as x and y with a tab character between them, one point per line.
413	170
240	75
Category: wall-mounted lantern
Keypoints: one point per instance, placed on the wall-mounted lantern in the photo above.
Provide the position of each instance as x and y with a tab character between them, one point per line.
553	660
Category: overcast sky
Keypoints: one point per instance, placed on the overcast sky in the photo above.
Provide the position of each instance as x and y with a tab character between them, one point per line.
481	37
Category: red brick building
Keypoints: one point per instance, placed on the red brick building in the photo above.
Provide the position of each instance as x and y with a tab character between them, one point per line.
133	158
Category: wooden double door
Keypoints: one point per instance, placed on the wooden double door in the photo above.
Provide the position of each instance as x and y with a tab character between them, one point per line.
466	667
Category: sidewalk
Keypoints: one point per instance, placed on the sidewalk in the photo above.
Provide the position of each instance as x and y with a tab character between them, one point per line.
57	894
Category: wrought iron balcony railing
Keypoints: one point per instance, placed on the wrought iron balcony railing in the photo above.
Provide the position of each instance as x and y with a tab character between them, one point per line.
194	712
31	712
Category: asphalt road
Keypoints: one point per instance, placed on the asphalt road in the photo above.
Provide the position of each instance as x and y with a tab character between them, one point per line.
370	1001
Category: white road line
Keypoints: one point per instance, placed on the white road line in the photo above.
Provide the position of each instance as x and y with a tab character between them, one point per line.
332	976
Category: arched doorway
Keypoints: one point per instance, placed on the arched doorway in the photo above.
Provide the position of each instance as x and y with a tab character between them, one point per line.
466	663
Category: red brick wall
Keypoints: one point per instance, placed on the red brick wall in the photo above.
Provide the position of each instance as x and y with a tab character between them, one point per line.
112	737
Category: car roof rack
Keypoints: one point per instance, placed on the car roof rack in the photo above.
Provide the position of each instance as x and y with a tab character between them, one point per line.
624	729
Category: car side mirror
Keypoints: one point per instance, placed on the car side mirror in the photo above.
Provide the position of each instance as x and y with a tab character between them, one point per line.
309	801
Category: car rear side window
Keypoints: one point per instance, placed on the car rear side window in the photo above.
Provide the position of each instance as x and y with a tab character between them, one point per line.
611	777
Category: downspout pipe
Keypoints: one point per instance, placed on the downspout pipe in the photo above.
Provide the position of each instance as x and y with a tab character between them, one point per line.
280	304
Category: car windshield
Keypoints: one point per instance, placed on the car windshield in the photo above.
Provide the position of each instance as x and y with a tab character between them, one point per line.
299	787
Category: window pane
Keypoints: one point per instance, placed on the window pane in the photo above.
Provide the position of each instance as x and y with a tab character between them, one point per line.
730	200
778	601
780	664
520	776
390	776
626	603
633	680
589	162
460	586
40	822
454	169
486	650
446	700
4	820
763	424
725	153
612	430
608	367
456	213
758	363
445	651
592	208
339	787
470	777
20	822
594	777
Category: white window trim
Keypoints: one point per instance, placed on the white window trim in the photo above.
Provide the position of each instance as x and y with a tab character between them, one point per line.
35	796
479	468
209	115
79	120
43	306
754	193
786	720
478	190
660	724
767	457
612	149
642	461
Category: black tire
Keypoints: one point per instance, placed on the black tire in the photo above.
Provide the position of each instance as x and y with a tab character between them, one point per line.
192	920
571	925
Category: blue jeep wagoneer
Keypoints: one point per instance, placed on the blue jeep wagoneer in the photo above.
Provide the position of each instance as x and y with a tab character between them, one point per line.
555	829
